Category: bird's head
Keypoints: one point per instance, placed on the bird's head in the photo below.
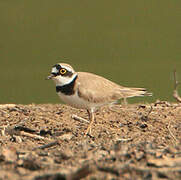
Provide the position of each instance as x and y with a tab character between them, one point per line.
62	74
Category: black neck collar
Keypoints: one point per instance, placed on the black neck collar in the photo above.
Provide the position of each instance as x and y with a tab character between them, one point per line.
67	89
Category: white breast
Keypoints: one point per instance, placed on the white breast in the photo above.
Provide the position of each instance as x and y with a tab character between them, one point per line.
77	102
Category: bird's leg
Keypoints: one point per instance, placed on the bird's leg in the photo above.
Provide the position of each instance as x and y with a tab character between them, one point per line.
91	119
125	102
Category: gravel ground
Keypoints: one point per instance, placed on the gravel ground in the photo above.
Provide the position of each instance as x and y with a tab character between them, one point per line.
44	142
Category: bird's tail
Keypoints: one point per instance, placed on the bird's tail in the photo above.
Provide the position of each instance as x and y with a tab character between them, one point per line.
132	92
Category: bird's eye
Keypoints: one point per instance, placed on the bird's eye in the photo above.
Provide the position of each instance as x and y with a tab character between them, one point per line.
63	71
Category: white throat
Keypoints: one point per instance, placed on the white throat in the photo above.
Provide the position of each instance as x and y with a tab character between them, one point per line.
63	80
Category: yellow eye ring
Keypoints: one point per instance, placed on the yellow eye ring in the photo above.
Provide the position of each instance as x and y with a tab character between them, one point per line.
63	71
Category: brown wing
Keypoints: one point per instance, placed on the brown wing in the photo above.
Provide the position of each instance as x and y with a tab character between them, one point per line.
97	89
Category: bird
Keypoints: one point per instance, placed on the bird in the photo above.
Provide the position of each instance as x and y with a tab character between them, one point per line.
85	90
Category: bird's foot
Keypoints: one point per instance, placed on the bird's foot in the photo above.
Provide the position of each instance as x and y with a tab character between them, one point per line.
88	131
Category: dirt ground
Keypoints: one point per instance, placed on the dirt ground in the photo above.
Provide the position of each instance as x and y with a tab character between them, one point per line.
43	142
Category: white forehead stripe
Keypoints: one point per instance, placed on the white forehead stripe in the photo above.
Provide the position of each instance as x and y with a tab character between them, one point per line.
54	70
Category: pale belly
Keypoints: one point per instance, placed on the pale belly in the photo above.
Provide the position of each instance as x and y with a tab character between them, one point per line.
77	102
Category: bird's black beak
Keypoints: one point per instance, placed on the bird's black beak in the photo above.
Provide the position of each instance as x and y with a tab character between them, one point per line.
50	77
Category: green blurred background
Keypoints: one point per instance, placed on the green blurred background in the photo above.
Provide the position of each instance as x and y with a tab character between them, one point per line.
134	43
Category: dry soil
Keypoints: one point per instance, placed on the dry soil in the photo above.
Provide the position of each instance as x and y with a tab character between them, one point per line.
44	142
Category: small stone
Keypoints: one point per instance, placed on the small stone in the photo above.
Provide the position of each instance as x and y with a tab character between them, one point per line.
9	154
158	155
121	125
144	118
139	155
143	126
66	137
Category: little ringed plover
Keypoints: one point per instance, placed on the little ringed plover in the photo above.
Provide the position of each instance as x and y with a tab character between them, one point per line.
88	91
